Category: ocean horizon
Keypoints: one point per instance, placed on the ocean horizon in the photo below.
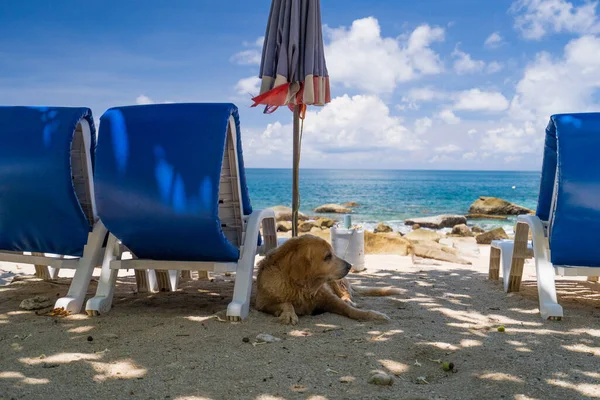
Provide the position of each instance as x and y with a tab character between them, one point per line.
391	196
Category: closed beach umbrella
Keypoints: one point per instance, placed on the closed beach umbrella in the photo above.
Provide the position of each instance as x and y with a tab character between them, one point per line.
293	71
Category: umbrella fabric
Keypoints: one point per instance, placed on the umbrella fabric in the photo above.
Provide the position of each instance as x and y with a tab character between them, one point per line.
293	70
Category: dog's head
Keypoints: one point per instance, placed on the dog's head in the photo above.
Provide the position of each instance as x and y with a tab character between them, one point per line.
310	261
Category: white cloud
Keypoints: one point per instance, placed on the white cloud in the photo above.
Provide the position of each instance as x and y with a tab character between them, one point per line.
422	125
250	85
251	56
493	41
361	58
424	94
478	100
448	117
514	139
465	64
354	125
538	18
142	99
471	132
469	156
512	159
449	148
494	67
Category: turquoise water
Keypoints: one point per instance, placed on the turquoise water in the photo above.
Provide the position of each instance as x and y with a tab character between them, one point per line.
393	195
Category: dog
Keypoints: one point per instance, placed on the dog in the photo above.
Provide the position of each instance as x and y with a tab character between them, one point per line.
304	277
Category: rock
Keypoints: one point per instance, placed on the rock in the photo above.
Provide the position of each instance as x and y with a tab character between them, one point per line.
306	226
325	222
421	235
386	243
316	229
266	338
351	204
383	228
438	222
494	234
380	378
486	216
416	226
462	230
477	229
436	251
283	213
36	303
496	206
284	226
332	208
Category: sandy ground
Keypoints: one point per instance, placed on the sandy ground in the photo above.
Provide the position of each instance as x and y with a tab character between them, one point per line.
172	345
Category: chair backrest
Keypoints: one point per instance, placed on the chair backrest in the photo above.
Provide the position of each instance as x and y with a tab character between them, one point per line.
170	180
46	189
570	188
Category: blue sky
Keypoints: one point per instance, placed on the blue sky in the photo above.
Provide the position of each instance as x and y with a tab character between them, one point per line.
454	84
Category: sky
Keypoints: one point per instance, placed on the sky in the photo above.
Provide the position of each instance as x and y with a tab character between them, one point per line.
429	84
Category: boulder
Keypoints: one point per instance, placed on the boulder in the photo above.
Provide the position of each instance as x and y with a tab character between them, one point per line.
436	251
306	226
496	206
477	229
36	303
283	213
325	222
387	243
284	226
416	226
494	234
351	204
437	222
332	208
486	216
462	230
383	228
423	235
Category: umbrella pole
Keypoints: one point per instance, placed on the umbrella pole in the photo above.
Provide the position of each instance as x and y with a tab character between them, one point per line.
295	171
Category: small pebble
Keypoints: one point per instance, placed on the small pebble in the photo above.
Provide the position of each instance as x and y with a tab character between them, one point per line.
266	338
246	340
89	339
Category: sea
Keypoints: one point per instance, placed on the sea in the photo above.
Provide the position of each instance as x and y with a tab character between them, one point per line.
391	196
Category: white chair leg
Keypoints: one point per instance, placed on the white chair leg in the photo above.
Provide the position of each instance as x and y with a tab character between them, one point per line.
146	280
544	270
101	303
506	255
167	281
239	307
85	268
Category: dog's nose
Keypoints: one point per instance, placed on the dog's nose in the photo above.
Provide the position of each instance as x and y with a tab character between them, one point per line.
348	266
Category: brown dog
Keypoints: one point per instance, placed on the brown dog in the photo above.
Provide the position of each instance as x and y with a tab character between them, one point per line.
304	277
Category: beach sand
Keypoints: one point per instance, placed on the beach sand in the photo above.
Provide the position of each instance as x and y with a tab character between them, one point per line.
173	346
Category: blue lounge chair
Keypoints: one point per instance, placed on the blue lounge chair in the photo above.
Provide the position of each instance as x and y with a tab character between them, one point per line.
565	227
171	187
47	208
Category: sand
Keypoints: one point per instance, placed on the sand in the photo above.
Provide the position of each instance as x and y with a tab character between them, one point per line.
174	346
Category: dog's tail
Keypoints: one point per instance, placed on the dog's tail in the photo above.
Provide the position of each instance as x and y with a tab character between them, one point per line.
376	291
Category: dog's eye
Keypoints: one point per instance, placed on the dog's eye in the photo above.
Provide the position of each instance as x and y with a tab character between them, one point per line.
328	257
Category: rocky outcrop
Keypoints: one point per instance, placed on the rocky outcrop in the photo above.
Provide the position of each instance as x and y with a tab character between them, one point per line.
486	216
307	226
437	222
351	204
416	226
436	251
387	243
423	235
477	229
284	226
36	303
494	234
325	222
283	213
496	206
462	230
333	209
383	228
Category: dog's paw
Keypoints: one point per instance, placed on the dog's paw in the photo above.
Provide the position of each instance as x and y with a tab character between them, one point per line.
350	302
377	316
288	318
